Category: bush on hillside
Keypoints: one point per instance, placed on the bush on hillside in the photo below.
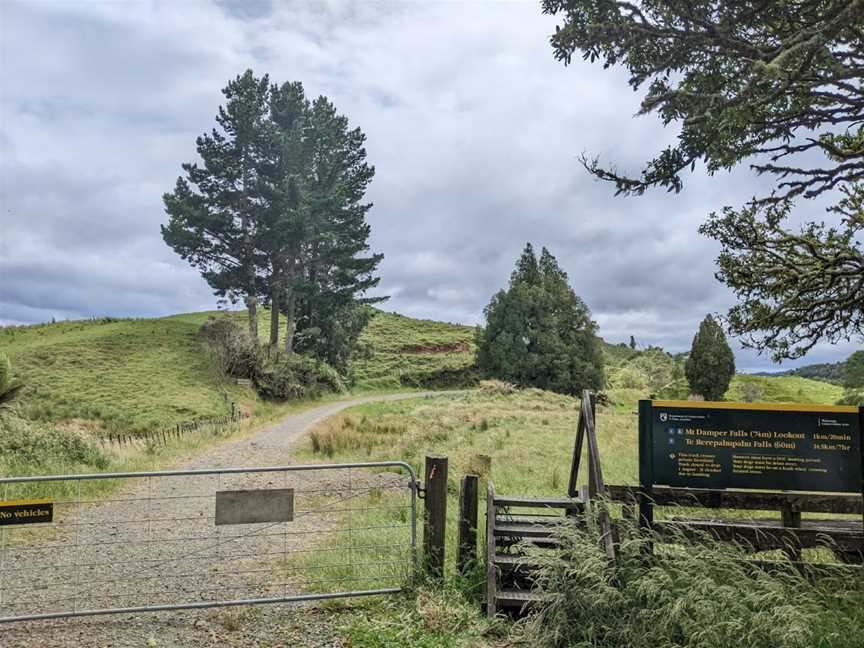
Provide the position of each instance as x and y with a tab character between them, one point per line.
539	333
711	364
24	443
278	377
236	352
852	397
297	376
853	371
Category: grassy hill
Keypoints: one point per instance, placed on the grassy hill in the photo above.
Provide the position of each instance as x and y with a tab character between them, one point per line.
138	374
405	352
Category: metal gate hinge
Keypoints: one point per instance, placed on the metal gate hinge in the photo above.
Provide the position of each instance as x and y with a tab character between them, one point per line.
421	492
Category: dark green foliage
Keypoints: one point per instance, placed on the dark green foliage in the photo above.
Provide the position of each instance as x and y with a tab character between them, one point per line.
330	333
214	212
831	372
711	363
853	371
276	214
794	288
319	251
773	83
853	380
539	333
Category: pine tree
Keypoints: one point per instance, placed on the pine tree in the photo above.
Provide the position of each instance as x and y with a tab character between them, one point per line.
711	364
336	266
632	343
539	333
215	211
277	213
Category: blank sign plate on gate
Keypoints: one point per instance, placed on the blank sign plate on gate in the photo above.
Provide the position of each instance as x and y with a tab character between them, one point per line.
254	506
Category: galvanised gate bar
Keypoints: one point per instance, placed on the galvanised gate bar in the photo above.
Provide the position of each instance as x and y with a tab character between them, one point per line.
82	545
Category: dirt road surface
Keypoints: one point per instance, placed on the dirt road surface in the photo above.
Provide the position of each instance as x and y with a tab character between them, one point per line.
153	543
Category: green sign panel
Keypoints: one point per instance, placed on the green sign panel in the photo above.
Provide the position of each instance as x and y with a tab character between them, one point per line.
745	446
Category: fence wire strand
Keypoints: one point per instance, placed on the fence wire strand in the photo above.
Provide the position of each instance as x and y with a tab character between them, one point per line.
157	544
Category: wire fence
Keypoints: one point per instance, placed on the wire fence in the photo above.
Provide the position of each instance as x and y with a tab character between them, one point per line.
164	435
207	538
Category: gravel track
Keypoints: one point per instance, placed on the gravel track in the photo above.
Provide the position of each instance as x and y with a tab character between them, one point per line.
129	550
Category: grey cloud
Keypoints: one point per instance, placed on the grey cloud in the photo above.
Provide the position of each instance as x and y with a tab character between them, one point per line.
472	125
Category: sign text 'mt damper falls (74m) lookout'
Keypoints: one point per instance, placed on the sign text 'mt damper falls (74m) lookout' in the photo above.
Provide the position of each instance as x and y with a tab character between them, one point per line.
747	446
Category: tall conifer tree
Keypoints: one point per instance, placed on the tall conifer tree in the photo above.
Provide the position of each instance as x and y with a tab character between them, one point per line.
711	364
538	332
215	211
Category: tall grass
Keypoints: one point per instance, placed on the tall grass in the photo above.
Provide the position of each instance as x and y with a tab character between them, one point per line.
698	594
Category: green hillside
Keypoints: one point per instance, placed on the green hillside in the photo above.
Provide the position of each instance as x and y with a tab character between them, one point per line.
127	375
399	351
137	374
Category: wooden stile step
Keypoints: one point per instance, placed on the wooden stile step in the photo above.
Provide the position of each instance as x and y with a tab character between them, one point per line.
527	501
551	521
510	577
517	598
535	533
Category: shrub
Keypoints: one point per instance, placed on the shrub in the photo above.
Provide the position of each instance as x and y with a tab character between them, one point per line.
628	377
236	352
853	371
29	444
280	377
852	397
539	333
296	376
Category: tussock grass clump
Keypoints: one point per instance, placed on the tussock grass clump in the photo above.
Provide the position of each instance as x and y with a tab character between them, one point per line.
693	594
497	387
345	433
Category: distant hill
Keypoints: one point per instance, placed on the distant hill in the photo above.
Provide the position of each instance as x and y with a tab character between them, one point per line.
831	372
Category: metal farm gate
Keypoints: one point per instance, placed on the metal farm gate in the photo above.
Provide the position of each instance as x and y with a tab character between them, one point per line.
83	545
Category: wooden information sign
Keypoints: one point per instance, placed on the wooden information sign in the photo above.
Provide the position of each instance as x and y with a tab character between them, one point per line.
807	448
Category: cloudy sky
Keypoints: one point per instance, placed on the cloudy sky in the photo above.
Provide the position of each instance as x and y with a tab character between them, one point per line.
472	125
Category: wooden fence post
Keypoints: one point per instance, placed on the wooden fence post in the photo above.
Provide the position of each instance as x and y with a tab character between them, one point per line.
467	547
435	518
